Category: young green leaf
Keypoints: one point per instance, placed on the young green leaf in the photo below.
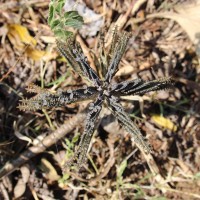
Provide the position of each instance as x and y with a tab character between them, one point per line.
60	33
73	19
51	13
59	7
54	23
60	21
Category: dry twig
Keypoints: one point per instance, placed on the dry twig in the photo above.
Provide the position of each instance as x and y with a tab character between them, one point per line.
49	140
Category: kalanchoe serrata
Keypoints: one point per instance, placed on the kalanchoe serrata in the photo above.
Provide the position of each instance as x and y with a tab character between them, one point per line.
101	90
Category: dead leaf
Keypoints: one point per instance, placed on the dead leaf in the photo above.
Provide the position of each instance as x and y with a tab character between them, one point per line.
50	171
22	137
34	53
19	188
164	122
25	173
194	86
125	70
188	17
137	5
48	39
19	35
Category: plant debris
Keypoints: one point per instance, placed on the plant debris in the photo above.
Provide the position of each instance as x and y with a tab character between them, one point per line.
115	168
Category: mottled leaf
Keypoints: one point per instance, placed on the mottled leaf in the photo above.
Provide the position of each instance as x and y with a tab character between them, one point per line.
73	53
127	123
139	86
46	99
118	51
92	116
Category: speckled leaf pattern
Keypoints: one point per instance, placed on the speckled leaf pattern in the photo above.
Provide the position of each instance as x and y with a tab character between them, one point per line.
127	123
80	156
117	52
101	90
46	99
73	53
139	86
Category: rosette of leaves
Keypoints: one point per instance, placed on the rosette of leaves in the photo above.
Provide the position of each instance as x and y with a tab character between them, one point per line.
60	21
101	89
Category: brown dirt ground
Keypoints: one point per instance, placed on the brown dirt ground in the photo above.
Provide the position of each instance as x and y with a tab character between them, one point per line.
159	47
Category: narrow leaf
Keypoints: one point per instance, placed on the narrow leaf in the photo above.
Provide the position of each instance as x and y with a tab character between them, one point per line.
47	99
141	87
121	168
127	123
118	51
73	53
51	13
81	154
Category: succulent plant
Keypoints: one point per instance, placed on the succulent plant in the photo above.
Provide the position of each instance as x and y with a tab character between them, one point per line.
101	90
